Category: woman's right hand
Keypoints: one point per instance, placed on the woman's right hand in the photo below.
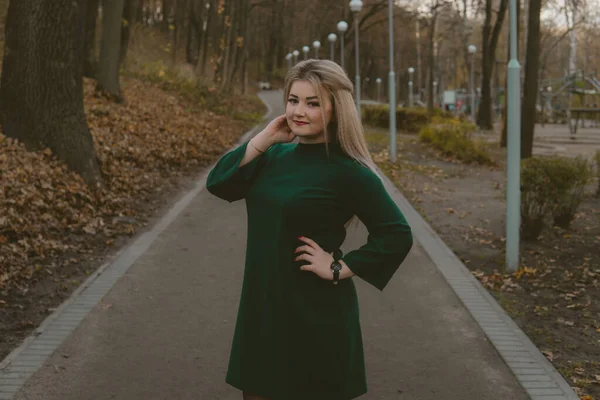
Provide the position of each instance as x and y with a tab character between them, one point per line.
277	131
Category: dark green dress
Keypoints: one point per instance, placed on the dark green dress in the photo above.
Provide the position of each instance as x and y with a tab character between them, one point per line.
298	336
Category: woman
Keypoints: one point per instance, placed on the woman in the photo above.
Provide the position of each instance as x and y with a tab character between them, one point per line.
297	334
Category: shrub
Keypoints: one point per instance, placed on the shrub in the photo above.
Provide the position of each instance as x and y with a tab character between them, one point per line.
551	186
407	119
453	138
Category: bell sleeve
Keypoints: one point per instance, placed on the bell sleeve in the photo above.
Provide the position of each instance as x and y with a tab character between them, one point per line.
230	181
390	238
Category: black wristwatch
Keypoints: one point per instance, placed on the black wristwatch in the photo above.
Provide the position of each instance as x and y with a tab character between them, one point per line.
336	267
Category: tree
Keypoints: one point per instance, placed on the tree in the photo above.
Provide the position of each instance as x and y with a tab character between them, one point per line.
41	93
530	86
130	9
489	44
108	69
90	61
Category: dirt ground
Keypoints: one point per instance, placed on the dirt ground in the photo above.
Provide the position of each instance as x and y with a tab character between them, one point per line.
554	297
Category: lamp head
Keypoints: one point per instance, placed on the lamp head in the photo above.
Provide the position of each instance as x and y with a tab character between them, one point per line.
472	49
332	37
316	44
306	49
411	70
342	26
356	6
296	53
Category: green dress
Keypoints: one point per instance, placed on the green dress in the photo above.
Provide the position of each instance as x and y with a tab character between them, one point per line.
298	336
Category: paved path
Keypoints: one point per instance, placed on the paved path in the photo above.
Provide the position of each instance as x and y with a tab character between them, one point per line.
157	322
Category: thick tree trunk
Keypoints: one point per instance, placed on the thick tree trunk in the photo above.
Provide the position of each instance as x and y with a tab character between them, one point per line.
530	87
108	71
490	43
90	61
41	93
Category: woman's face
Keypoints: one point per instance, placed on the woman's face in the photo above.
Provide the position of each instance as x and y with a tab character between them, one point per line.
303	112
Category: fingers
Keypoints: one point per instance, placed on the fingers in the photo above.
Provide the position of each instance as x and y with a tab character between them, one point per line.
305	257
310	242
306	249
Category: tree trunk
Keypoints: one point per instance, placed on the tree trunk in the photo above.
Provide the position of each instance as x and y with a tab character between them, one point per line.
193	34
166	15
431	63
127	22
90	61
108	71
530	87
41	92
490	42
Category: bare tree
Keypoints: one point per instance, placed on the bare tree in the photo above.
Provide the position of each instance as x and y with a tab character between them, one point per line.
41	92
108	71
90	61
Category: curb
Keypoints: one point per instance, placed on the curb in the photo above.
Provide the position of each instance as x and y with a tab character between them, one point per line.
20	364
534	372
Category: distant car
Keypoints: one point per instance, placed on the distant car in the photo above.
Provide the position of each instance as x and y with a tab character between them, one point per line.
264	85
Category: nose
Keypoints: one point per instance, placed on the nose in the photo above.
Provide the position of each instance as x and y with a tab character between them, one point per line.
299	110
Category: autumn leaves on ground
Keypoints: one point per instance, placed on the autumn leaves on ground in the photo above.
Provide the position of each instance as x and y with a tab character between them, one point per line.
54	230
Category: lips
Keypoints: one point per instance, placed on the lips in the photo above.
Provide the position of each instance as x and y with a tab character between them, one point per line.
300	123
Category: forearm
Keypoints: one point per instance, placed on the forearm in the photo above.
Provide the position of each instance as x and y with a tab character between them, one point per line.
257	146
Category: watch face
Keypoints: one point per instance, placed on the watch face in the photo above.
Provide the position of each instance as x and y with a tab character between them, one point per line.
336	266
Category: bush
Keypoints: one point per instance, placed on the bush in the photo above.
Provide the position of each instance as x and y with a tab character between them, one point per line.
551	187
407	119
453	138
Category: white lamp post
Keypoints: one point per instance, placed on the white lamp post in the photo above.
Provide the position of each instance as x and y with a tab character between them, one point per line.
472	49
316	46
288	58
355	7
411	71
305	50
378	81
296	53
332	38
342	27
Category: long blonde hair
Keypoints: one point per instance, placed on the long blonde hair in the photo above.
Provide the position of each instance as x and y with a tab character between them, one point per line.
347	129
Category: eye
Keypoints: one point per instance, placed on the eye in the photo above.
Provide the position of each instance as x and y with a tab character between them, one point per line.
313	104
293	101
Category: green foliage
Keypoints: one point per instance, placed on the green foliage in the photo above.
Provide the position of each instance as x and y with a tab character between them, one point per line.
409	120
453	138
551	187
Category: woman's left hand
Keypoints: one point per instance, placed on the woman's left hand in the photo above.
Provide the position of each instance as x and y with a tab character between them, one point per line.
320	261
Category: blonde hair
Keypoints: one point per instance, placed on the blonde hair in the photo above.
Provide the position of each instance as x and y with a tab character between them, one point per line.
347	129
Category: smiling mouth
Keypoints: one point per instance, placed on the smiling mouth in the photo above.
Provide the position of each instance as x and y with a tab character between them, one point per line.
300	123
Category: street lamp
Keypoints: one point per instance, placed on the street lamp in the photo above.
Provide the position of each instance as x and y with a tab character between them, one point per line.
296	53
332	38
411	71
356	6
392	83
305	50
288	58
472	49
316	46
378	81
342	27
513	136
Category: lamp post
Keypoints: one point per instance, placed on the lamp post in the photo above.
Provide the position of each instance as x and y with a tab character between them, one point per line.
288	58
378	81
316	46
332	38
296	53
411	71
434	92
356	6
513	165
342	27
472	49
305	50
392	83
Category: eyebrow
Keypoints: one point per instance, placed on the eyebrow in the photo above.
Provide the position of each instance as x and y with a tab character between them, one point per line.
308	98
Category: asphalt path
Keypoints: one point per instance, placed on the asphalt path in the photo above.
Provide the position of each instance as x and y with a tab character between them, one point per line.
164	330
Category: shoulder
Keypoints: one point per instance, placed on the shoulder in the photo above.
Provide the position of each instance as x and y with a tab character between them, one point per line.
352	173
